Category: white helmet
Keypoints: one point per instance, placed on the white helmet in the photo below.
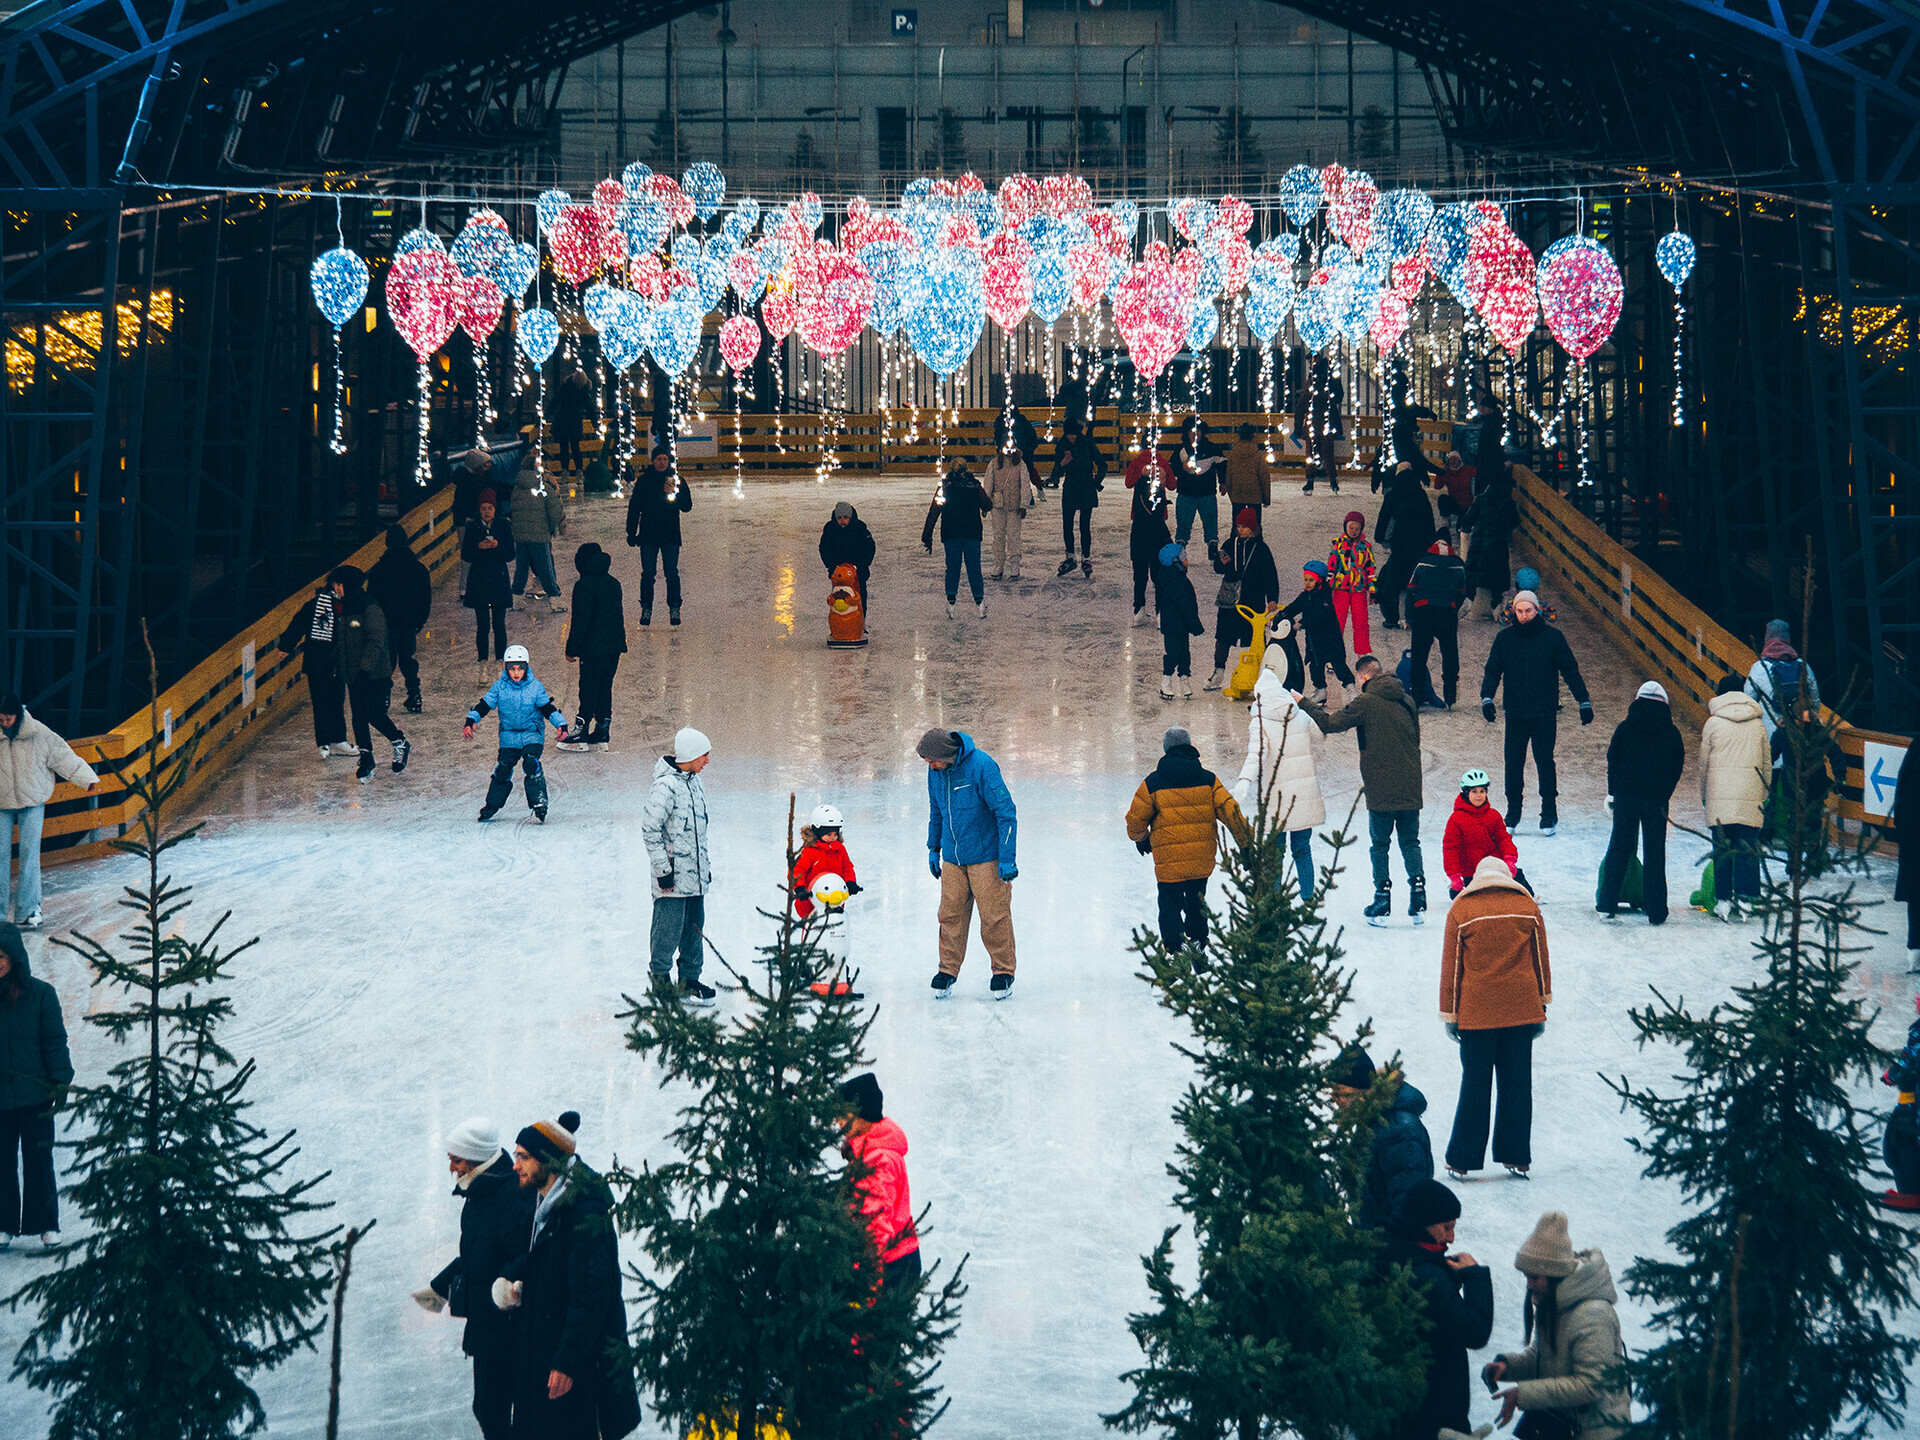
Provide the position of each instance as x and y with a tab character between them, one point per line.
824	817
516	655
830	890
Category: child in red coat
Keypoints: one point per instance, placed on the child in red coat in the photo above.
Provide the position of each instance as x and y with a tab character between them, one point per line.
1475	831
886	1202
1350	570
822	853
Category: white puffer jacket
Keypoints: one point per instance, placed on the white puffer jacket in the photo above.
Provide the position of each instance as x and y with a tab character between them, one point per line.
1280	758
1735	762
674	824
31	760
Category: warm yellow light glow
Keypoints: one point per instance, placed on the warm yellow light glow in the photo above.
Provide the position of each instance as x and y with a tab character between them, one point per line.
1882	331
72	338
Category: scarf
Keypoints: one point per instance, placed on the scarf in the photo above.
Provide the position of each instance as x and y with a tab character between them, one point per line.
321	630
547	1202
1778	650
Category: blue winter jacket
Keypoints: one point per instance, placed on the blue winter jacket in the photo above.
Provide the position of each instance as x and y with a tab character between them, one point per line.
970	816
522	708
1402	1157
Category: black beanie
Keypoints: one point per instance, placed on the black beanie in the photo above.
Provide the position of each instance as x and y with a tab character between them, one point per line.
863	1093
397	537
1428	1203
1354	1069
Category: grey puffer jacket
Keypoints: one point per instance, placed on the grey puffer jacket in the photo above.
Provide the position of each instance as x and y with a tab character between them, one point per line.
33	1038
31	759
1571	1376
674	824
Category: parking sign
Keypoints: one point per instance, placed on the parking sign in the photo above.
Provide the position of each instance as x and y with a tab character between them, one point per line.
904	22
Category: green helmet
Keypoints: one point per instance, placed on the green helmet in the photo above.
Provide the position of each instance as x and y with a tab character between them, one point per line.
1474	780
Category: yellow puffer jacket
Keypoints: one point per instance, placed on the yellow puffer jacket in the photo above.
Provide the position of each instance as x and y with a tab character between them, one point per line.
1176	810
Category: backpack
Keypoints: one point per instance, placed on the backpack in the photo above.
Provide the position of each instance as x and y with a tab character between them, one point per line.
1783	679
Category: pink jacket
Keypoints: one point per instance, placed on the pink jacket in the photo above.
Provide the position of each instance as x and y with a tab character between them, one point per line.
885	1201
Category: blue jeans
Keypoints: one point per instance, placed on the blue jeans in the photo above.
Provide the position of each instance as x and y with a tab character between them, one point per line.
1380	827
679	923
536	555
1207	507
969	551
1301	843
29	820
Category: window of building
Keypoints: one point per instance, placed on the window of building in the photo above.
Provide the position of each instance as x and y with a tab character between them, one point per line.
891	126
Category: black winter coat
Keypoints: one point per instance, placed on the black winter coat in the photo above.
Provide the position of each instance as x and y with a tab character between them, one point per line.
33	1038
1311	612
1189	481
1489	456
1402	1157
653	519
1025	438
1251	563
488	582
1646	754
1491	519
1078	468
1149	532
1459	1305
1406	516
316	656
1406	438
959	516
851	544
1438	582
403	589
1906	823
496	1219
361	652
1532	659
1179	606
599	627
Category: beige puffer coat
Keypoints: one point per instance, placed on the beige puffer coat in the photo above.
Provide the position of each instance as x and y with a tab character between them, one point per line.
1569	1377
31	760
1735	763
1280	758
1009	483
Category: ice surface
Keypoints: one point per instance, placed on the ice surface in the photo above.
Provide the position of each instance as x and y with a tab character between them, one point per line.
416	968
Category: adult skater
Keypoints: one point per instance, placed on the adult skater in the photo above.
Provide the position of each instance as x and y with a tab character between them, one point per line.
1490	522
1279	772
1196	483
1569	1373
576	1372
32	759
1386	716
1531	658
1780	679
1175	817
1456	1292
654	509
959	506
1734	769
596	640
525	711
1406	528
1435	592
1020	431
34	1069
971	828
1401	1154
1644	761
311	632
1247	577
496	1215
537	521
1249	479
1906	832
1320	419
1010	485
673	822
879	1147
1080	470
1495	986
1179	621
846	540
487	546
1151	483
366	669
567	413
403	589
1405	434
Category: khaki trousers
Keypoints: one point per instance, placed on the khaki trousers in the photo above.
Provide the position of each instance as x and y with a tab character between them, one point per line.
1006	528
961	887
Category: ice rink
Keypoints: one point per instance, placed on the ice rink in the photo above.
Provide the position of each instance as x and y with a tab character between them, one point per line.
416	968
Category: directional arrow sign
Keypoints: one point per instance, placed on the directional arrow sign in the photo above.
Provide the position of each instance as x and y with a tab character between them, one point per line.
1880	777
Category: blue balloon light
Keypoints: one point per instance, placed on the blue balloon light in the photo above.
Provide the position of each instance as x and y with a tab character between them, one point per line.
1202	321
1052	286
548	207
635	178
1400	219
538	334
706	187
418	238
516	269
339	280
1675	256
944	330
1301	195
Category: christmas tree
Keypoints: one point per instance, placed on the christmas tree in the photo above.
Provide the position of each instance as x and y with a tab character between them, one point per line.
765	1307
190	1277
1775	1311
1291	1326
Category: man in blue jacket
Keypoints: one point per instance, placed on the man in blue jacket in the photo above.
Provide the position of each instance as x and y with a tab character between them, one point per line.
970	833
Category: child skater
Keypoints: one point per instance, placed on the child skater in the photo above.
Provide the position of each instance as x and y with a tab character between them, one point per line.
1475	831
523	704
1313	615
1179	620
1903	1135
822	852
1350	567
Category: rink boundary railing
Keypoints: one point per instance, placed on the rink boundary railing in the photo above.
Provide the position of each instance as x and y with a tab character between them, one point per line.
1653	623
210	703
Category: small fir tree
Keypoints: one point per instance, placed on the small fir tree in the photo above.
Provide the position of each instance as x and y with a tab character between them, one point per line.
1775	1311
1292	1328
190	1277
766	1306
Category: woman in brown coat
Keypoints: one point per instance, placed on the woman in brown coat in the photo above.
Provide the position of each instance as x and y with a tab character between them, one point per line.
1495	986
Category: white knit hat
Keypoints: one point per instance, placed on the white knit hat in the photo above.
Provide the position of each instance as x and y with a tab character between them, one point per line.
476	1139
1653	690
690	744
1548	1251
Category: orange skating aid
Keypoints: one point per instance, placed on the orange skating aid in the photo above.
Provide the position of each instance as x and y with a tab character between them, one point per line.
846	614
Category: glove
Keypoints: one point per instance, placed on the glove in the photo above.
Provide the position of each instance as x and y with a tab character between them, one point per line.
1586	712
853	887
560	724
427	1300
1009	872
1486	709
633	539
466	730
802	892
1456	883
665	882
1453	1032
928	547
1145	847
933	863
506	1293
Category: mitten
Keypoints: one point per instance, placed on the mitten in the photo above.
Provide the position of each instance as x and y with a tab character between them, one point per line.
1009	871
1486	709
1453	1032
506	1293
1455	884
427	1300
1586	712
933	863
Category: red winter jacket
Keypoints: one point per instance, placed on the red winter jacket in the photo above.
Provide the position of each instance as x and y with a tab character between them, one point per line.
1473	833
817	858
884	1201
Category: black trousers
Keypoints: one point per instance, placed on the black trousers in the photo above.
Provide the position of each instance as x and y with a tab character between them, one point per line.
568	434
328	696
1337	662
1178	659
32	1208
902	1271
496	615
1085	512
1230	628
1391	579
1505	1054
1142	573
501	786
403	643
1638	824
574	1416
371	698
1183	912
1902	1149
1537	731
596	687
1439	624
493	1385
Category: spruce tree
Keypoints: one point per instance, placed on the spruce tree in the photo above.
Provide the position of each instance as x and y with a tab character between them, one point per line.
764	1305
1291	1326
1774	1315
189	1276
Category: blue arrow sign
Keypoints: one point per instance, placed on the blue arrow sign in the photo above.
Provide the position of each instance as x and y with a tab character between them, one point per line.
1880	780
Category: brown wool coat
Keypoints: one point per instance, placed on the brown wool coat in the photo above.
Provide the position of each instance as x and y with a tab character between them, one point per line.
1177	809
1493	970
1249	478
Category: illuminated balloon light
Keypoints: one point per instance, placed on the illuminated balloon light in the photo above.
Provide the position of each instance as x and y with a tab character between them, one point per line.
1580	294
1092	270
636	177
1500	275
477	304
1052	286
944	330
740	343
482	243
1126	219
706	187
1675	256
339	282
676	333
1009	290
538	334
1350	209
834	301
1267	309
1401	219
1390	317
548	207
1020	199
1064	195
628	331
744	274
1301	195
608	196
668	192
777	313
1313	317
1152	306
420	300
1449	237
419	238
1202	324
1234	257
578	239
515	270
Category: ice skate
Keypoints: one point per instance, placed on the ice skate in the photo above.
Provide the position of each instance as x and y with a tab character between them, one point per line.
1166	687
364	771
646	616
1307	489
32	922
942	986
553	604
1549	819
1333	484
998	575
1014	573
540	813
1086	568
1382	905
694	993
487	812
1417	901
1186	687
980	608
1519	1172
952	614
1913	962
1066	567
576	741
342	748
1002	986
1513	815
402	748
1216	679
673	615
412	704
1141	617
1456	1175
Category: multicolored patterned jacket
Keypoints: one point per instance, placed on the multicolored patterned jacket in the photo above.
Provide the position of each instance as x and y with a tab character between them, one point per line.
1350	563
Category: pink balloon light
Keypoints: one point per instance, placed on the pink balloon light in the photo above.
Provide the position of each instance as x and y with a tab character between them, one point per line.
607	196
578	240
477	303
778	312
667	191
1580	294
1091	266
1150	311
1350	213
834	295
420	299
1020	199
1389	321
1500	277
1006	282
739	343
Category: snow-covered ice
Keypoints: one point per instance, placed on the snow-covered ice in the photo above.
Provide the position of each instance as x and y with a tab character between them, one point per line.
416	968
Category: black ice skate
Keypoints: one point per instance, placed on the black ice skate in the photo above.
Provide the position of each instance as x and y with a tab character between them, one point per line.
1513	815
412	706
540	813
1086	568
365	770
1549	818
694	993
1002	986
942	986
1417	901
401	750
1066	567
487	812
1382	905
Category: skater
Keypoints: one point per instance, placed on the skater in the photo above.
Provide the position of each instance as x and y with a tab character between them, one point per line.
1406	528
1406	439
576	1372
1311	612
1489	443
1474	832
487	546
971	828
1175	817
1020	431
33	1044
1435	592
1249	478
524	707
846	540
403	589
1495	986
1401	1155
496	1216
32	759
1196	484
1279	772
1532	659
653	524
1644	761
1389	725
1525	578
1080	470
879	1147
1248	578
1150	481
366	669
674	825
1491	521
1350	572
1179	621
1010	485
1455	486
1780	679
1902	1144
1906	831
596	639
959	504
1569	1373
1734	769
572	399
1319	417
537	521
311	631
1456	1292
824	853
